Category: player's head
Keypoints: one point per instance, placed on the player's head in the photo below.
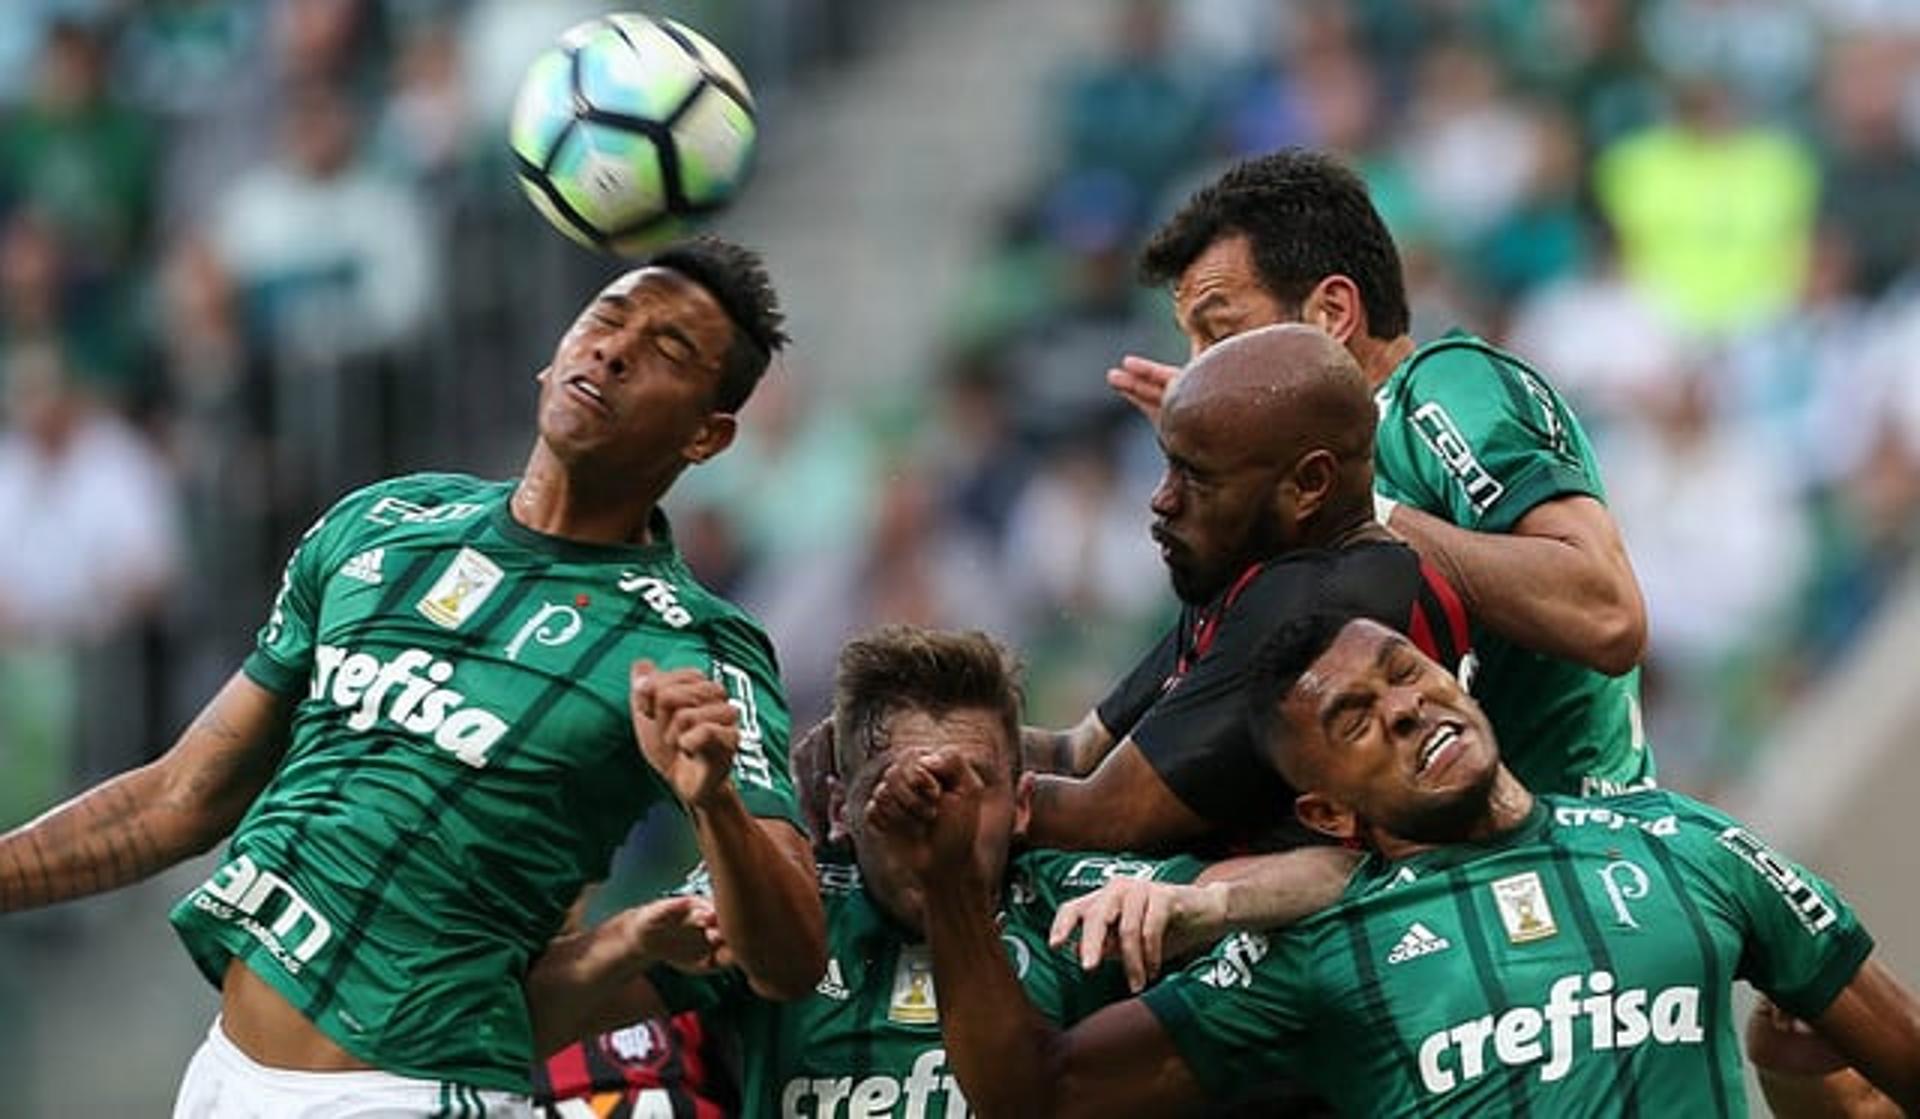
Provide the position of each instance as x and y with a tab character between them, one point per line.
1268	441
1377	738
650	375
1287	237
902	690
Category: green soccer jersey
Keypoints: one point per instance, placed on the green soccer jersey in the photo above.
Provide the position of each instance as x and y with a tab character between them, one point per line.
1474	436
1577	966
461	761
867	1041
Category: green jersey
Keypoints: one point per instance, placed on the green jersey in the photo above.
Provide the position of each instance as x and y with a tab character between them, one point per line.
1474	436
1579	965
461	761
867	1041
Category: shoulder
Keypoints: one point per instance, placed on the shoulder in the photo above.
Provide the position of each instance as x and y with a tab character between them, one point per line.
1051	878
1454	360
420	498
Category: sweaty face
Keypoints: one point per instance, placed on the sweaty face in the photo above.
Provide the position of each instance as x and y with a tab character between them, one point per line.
980	740
636	374
1221	295
1392	736
1213	511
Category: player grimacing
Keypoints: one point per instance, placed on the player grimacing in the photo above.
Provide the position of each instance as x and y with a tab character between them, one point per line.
1497	953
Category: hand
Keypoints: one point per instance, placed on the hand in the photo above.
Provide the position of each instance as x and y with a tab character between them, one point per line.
812	764
686	727
1143	382
927	806
1143	922
682	932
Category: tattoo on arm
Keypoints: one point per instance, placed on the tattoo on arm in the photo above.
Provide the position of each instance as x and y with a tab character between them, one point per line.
1047	751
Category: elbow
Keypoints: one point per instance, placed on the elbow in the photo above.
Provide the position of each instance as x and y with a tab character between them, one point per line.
1619	640
796	973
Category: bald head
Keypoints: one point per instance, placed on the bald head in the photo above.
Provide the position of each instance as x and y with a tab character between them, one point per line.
1282	392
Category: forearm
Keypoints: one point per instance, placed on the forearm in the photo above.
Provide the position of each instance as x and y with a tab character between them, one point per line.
105	838
147	819
766	895
1072	752
1551	594
1123	807
1001	1049
590	982
1836	1095
1259	892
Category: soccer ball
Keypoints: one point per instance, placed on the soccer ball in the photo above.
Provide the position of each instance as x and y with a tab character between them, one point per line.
630	127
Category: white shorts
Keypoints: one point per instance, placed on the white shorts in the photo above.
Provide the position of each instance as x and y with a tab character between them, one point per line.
224	1083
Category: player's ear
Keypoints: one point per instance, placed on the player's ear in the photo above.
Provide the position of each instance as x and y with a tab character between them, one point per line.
837	831
714	435
1315	475
1334	306
1325	816
1022	806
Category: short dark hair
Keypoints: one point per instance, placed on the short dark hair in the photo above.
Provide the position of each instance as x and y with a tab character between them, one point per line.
1276	668
737	279
900	668
1307	217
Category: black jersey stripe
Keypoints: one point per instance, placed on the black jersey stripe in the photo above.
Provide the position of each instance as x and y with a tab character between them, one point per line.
1589	926
411	576
1711	978
447	798
1474	930
1373	1003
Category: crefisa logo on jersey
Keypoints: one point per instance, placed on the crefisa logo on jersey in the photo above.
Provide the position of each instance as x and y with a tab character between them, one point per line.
406	692
1545	1035
818	1097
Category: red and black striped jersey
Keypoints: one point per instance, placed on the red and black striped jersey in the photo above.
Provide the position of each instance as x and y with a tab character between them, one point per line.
1183	704
672	1066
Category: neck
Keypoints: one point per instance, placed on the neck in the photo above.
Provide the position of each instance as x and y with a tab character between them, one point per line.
1359	528
556	499
1379	357
1509	803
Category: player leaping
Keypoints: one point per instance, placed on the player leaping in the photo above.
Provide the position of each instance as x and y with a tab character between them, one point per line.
433	746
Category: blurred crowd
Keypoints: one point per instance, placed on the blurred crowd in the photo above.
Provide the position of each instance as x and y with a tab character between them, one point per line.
255	252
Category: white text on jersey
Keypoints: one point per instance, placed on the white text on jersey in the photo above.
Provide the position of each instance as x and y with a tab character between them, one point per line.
843	1097
406	692
1624	1020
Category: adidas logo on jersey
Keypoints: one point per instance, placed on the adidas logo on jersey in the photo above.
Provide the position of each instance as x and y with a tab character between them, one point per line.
1419	941
365	567
833	984
1549	1035
406	692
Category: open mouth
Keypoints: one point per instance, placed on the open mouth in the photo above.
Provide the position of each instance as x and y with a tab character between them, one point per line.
586	389
1442	743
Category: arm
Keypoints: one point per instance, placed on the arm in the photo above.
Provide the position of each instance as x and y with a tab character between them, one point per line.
590	982
1146	922
764	889
147	819
1071	752
1802	1075
1010	1060
1874	1025
1559	582
1123	806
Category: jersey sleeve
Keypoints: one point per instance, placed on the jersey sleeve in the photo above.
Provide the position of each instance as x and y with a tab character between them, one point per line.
1130	699
1803	942
282	657
1481	442
743	661
1238	1015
